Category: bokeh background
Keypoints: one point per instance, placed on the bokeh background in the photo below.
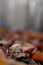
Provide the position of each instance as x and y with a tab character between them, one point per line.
21	14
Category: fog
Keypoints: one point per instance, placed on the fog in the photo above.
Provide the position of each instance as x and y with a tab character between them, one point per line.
21	14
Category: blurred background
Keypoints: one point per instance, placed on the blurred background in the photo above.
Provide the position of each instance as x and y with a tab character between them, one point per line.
21	14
